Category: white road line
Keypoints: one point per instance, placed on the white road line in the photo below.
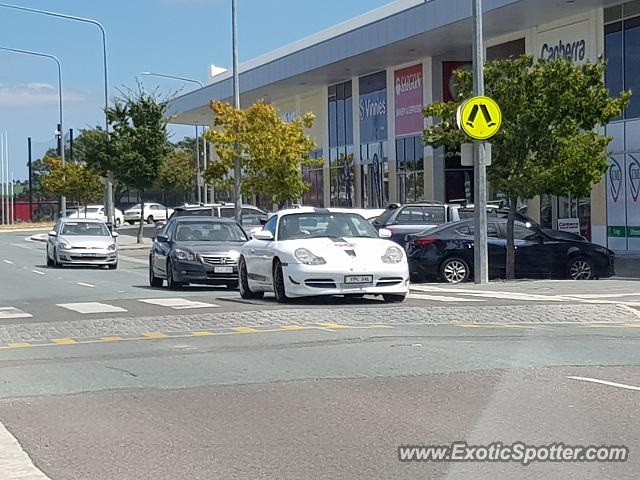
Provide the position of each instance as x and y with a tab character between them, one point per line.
12	312
21	246
177	303
588	296
16	464
85	284
439	298
38	272
8	261
91	307
605	382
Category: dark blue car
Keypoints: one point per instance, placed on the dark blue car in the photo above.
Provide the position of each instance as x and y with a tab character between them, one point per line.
446	253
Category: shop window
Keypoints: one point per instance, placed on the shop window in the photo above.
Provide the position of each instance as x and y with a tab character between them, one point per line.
410	169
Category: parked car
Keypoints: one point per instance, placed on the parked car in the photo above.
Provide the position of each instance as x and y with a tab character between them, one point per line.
98	212
196	249
251	216
446	252
152	213
82	242
411	218
309	252
369	214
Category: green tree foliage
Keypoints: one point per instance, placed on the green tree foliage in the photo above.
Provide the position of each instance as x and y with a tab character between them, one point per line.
177	172
138	141
272	151
77	182
549	142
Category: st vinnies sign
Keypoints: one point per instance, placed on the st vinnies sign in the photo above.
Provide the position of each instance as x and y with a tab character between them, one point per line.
479	117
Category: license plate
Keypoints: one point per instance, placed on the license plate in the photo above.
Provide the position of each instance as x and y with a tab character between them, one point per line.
89	254
358	279
223	269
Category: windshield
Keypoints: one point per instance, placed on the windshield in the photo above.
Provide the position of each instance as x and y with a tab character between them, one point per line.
85	229
334	225
93	209
209	232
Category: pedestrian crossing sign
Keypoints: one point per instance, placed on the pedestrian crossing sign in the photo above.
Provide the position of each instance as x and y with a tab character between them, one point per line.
479	117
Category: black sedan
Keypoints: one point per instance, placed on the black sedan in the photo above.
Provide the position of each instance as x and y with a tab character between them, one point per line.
201	250
446	252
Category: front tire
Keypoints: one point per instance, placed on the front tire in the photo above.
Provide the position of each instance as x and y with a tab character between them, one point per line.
171	283
278	283
580	269
154	281
49	261
56	263
150	219
455	270
394	297
243	283
118	223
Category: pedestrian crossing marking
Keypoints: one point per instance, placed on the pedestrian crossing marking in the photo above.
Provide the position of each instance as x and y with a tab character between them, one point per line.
18	345
13	312
177	303
202	334
91	307
64	341
111	339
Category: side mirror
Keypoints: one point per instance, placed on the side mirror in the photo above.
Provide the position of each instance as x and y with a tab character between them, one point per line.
115	234
385	233
162	238
263	235
53	233
263	220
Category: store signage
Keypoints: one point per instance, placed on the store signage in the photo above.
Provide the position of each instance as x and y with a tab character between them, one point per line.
409	100
634	176
571	225
373	108
615	179
571	50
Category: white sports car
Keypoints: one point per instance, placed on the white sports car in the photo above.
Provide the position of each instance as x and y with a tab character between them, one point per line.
311	251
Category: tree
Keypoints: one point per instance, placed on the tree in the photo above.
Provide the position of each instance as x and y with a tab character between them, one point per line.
76	181
138	141
548	142
272	151
177	172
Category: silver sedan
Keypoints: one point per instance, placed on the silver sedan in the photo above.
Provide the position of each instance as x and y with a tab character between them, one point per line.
82	242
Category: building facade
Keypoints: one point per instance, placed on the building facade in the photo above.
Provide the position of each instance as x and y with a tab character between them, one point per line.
368	79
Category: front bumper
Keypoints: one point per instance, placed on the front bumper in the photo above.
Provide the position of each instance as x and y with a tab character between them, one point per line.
311	280
77	256
197	272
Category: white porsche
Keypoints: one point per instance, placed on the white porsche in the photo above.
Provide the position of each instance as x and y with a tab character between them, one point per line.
312	251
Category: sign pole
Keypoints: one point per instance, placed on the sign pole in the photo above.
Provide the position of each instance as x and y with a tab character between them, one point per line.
480	258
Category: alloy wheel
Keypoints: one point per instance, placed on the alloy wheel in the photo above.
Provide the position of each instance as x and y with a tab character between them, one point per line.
455	271
580	269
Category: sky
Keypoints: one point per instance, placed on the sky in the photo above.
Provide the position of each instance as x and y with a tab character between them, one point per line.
174	37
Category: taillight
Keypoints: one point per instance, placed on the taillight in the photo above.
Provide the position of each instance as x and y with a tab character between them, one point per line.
423	242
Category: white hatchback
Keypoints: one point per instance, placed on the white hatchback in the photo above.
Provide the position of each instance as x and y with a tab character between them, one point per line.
311	251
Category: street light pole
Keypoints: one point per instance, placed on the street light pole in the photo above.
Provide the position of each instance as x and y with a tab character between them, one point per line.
237	171
63	200
204	145
109	203
480	260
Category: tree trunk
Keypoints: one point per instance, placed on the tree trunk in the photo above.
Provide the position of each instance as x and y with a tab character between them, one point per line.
511	251
142	219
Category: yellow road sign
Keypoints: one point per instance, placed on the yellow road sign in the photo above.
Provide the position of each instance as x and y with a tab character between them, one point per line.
479	117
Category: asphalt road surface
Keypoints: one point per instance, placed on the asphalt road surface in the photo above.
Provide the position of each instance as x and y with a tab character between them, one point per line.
102	377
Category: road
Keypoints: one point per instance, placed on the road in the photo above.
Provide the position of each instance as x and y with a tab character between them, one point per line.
106	378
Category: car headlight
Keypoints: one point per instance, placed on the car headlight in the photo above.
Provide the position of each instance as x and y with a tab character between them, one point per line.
184	255
305	256
234	256
64	246
112	247
392	255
